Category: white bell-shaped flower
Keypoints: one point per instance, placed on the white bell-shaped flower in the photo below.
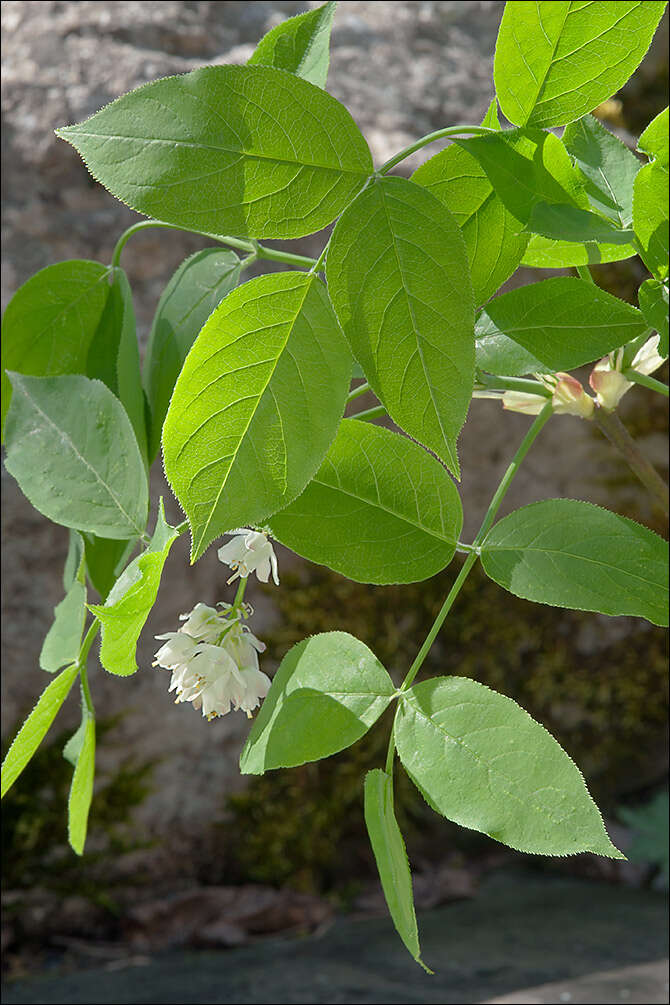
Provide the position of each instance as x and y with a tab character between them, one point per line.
214	677
249	551
202	623
177	651
608	381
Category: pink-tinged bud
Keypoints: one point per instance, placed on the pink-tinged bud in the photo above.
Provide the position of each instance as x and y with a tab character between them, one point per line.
521	401
609	384
570	398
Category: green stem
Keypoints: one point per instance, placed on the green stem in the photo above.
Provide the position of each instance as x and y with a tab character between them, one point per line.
370	413
470	561
430	138
321	259
239	596
613	428
646	381
488	381
584	272
274	255
489	517
250	247
81	663
182	527
358	391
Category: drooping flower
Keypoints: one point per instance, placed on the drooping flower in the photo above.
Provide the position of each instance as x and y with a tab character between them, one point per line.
214	677
202	623
568	397
608	381
249	551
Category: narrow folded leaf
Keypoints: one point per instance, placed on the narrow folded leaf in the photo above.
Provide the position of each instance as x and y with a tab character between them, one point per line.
36	725
573	554
570	223
256	405
81	790
246	150
73	560
105	560
650	217
130	600
558	59
300	45
653	298
397	274
380	509
391	858
328	691
50	321
493	239
654	140
483	762
63	641
197	287
526	167
607	165
73	452
557	324
113	354
546	253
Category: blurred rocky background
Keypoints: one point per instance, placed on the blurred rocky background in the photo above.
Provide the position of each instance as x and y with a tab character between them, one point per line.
171	812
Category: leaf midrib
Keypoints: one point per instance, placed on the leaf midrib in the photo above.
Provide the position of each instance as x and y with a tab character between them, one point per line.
69	132
197	549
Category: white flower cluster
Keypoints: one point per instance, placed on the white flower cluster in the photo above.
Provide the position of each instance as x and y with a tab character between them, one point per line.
213	656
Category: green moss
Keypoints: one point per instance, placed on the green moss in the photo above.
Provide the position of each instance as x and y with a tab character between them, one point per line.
602	695
35	851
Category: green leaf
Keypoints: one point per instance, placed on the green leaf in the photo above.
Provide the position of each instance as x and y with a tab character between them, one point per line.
73	560
73	452
650	217
105	559
245	150
379	510
113	355
607	166
63	641
197	287
50	321
72	748
557	324
328	691
256	405
653	298
546	253
491	119
81	789
397	274
526	167
391	858
569	223
557	60
483	762
300	45
130	600
36	725
493	239
654	140
572	554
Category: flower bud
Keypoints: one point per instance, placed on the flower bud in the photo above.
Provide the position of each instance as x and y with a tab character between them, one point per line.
570	398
